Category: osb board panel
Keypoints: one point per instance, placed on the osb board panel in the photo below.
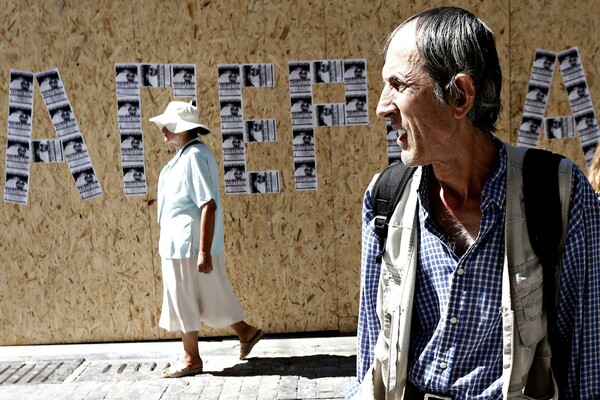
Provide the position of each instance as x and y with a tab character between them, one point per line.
553	26
78	271
74	271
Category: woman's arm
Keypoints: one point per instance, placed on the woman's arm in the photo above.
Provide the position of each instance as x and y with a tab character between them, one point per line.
207	230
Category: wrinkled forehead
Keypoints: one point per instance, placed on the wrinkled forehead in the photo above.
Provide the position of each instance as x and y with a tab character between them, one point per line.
402	55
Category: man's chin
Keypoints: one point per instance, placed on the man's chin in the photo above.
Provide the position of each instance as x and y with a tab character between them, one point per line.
409	160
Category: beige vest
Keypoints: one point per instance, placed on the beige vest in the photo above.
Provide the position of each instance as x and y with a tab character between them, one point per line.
526	356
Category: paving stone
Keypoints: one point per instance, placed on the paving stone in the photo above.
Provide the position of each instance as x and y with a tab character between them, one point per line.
212	388
190	397
90	391
177	388
307	388
231	389
119	391
288	387
16	392
269	386
250	387
37	392
189	388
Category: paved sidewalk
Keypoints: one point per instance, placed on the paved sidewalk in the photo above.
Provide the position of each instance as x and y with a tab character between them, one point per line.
278	368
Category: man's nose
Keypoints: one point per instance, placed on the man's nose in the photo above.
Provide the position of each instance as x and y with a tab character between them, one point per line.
386	106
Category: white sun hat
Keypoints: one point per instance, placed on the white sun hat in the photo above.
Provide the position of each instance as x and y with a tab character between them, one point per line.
178	117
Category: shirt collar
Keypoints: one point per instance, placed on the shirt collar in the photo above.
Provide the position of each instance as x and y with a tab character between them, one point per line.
188	144
180	152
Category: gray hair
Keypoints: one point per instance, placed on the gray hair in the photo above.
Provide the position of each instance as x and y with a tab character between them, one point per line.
451	41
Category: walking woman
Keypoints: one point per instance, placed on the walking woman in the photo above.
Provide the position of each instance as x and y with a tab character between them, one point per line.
196	288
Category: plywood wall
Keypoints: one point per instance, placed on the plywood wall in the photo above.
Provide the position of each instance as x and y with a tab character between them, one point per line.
83	271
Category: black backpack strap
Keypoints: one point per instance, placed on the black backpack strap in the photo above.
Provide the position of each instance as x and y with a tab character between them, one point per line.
544	217
386	194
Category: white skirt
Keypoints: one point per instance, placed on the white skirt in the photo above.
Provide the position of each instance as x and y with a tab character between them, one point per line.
191	298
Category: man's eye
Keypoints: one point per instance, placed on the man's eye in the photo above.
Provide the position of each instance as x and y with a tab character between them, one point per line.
398	84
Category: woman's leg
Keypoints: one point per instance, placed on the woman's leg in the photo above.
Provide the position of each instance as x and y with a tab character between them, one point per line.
244	331
249	335
190	363
191	356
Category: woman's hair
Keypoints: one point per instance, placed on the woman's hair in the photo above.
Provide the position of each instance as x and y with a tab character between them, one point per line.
451	41
594	171
199	131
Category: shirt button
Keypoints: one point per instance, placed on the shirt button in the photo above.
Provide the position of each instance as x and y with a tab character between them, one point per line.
461	271
453	320
443	365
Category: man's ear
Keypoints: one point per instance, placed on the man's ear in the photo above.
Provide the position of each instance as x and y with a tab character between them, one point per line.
463	95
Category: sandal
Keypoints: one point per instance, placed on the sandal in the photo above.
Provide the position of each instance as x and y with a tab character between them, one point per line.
179	370
246	347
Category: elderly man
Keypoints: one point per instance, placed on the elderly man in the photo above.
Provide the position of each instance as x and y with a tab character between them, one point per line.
452	316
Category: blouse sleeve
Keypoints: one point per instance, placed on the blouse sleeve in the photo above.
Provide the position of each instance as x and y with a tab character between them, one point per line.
199	179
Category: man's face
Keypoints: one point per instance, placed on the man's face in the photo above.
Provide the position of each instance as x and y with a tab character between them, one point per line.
533	127
304	107
65	115
573	61
426	128
303	74
238	174
233	77
25	85
23	118
540	96
547	63
130	76
589	122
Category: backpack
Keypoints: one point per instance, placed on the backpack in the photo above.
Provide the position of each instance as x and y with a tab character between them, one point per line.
542	210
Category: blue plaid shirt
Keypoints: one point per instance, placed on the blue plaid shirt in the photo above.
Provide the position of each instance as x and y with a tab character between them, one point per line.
456	342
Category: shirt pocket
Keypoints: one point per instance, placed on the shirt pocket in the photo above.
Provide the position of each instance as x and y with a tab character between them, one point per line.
527	292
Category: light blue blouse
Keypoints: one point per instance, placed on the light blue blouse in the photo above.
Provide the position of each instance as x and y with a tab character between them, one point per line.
185	184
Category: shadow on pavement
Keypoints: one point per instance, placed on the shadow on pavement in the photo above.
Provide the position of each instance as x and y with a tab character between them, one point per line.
311	367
